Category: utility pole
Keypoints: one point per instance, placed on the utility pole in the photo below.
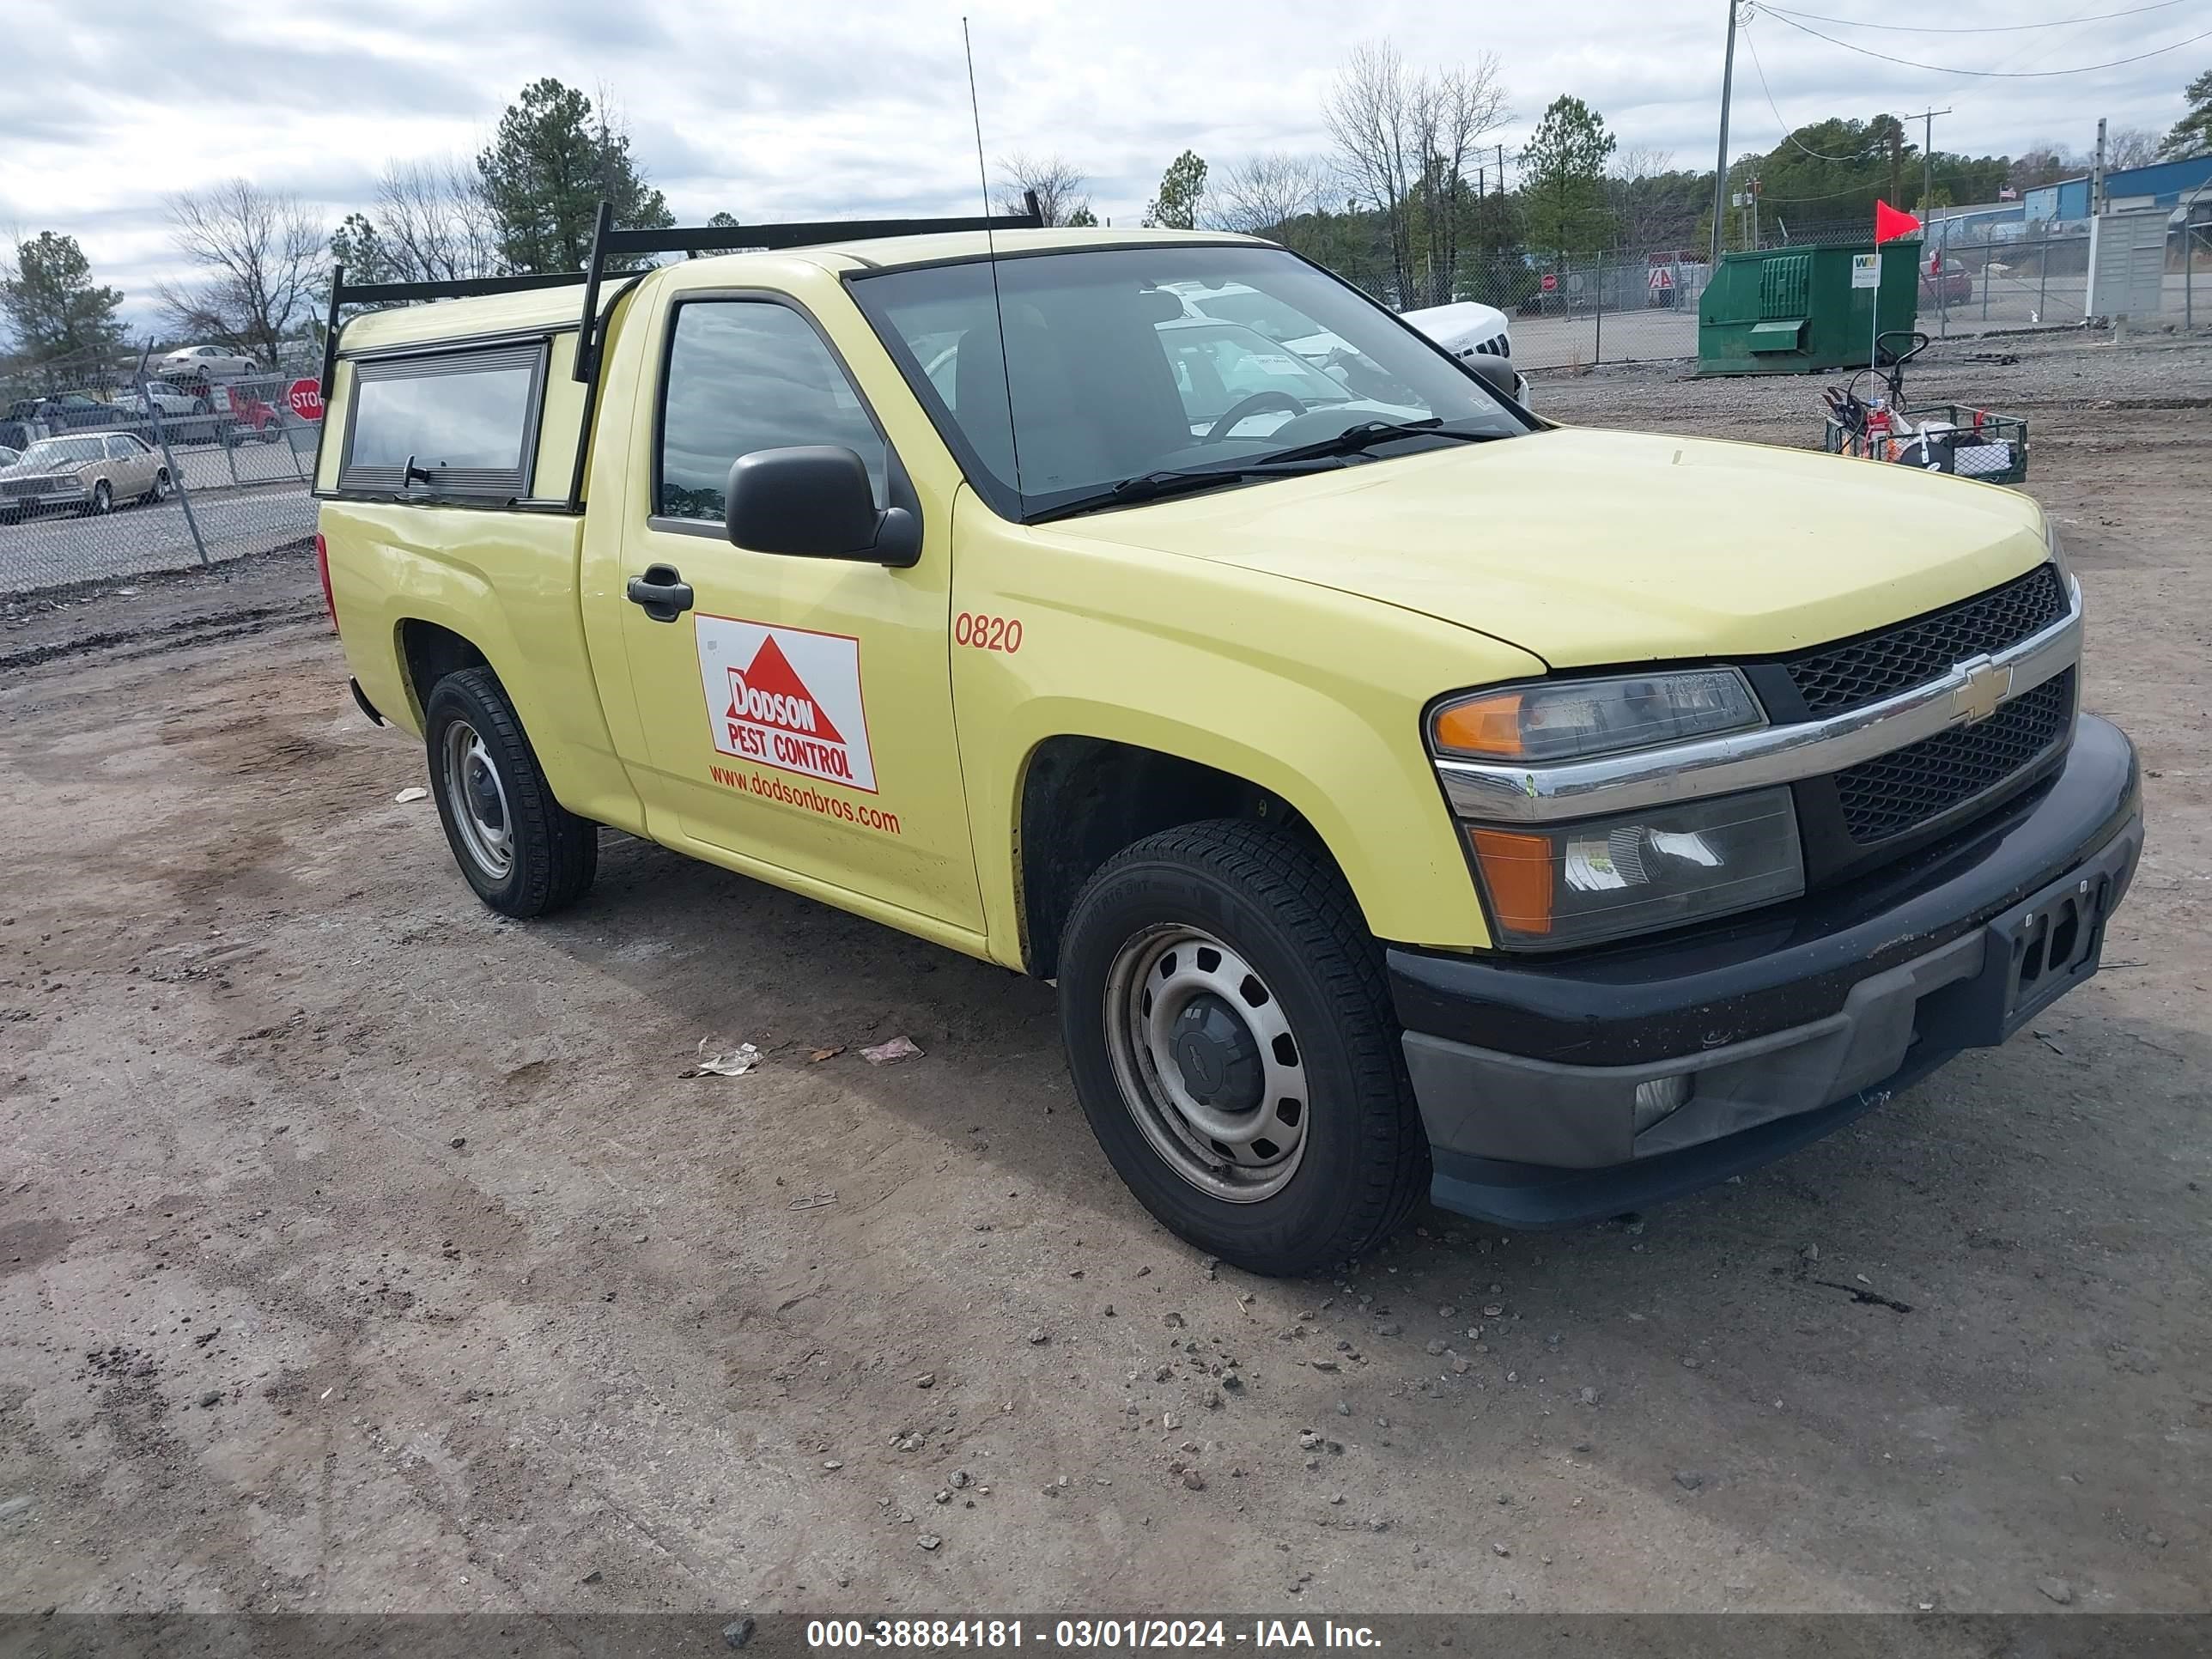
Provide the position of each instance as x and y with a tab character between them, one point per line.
2096	173
1720	172
1927	119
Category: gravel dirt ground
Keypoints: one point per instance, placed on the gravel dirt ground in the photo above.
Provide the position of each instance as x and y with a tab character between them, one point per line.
359	1250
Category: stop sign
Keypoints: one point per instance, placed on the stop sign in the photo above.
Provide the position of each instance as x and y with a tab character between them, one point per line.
306	398
1551	284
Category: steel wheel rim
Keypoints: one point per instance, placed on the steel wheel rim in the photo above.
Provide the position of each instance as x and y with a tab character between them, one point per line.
161	486
1155	991
475	795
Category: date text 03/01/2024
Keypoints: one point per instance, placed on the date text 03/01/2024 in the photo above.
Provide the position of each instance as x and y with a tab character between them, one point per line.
1086	1634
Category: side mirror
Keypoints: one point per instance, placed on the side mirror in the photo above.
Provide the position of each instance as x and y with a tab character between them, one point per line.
814	502
1494	372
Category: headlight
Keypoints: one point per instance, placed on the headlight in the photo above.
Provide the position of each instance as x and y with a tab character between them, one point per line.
1573	719
1599	879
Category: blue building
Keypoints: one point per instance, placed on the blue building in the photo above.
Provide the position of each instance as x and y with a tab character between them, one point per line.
2163	184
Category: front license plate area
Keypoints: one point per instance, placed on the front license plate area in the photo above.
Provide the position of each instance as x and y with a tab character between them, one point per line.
2047	947
2033	953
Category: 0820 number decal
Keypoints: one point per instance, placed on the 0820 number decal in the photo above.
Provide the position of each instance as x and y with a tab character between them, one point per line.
986	633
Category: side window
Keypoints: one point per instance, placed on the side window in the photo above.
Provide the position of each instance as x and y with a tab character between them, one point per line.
467	418
121	449
748	374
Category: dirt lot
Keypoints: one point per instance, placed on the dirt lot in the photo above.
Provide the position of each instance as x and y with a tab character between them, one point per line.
360	1250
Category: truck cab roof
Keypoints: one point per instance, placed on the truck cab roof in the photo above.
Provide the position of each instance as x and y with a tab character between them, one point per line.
556	306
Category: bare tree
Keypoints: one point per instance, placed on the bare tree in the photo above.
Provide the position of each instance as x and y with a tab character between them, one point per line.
1058	185
1370	114
1637	211
2130	147
1264	192
1405	140
259	256
434	223
1459	105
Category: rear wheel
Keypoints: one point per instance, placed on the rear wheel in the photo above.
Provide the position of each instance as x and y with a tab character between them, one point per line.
1233	1045
524	852
160	492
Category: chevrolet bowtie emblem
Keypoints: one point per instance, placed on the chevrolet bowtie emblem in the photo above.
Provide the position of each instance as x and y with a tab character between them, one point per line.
1987	685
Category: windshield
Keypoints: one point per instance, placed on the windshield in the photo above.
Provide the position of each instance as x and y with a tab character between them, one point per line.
1107	377
62	452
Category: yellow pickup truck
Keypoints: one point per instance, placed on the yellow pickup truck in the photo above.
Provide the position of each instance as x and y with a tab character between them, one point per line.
1409	797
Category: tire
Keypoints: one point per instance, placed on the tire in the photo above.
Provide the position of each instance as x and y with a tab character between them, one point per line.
482	769
162	486
1264	906
102	502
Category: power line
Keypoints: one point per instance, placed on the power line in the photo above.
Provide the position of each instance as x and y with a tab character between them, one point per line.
1988	75
1788	135
1994	28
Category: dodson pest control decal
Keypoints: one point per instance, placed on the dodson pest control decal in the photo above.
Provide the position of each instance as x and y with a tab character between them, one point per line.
787	697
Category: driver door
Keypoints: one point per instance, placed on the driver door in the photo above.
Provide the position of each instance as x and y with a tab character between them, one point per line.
796	711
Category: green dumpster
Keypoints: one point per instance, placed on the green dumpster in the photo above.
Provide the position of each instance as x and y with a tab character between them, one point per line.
1795	311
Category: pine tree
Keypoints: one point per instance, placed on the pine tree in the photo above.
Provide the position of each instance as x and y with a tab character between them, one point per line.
1183	186
552	159
1563	179
52	306
2192	134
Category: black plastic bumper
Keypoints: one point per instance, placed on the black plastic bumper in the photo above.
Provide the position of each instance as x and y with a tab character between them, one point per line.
1785	1025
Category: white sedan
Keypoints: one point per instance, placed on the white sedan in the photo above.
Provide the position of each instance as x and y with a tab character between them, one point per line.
169	400
204	362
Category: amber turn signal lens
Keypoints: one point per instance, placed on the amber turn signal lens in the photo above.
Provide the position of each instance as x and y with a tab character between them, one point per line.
1516	869
1482	725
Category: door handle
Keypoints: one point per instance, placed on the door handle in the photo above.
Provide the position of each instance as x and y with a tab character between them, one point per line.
662	592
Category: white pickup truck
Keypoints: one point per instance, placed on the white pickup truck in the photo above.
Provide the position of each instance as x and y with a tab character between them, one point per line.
1466	329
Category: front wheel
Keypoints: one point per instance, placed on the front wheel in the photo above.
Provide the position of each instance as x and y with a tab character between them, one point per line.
524	852
1233	1045
102	502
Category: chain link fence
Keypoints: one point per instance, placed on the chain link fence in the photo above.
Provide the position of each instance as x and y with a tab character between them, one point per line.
1641	305
1979	278
124	465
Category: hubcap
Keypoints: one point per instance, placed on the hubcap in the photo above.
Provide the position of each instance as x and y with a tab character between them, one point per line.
1206	1063
478	799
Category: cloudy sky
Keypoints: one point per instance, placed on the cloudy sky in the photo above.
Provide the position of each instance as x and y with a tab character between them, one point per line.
800	111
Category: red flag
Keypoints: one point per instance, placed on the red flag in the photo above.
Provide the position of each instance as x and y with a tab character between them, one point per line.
1890	223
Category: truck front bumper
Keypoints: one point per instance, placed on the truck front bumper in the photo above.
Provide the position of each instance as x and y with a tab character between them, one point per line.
1770	1032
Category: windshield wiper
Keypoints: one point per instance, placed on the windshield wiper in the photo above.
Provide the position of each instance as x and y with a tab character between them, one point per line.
1182	481
1364	435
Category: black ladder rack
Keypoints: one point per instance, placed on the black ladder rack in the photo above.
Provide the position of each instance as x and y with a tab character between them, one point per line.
609	243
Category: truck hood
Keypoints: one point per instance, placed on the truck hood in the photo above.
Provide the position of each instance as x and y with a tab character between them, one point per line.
1589	547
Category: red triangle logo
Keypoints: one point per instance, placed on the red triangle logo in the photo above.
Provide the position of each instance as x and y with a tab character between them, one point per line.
770	693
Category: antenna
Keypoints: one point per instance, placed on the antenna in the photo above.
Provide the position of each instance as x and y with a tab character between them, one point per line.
991	253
